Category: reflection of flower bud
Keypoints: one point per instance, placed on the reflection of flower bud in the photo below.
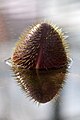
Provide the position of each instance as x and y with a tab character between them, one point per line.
39	61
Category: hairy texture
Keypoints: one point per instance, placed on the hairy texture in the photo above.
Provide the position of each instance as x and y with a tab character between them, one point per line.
40	62
42	48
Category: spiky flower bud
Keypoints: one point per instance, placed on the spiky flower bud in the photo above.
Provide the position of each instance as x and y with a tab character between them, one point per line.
40	61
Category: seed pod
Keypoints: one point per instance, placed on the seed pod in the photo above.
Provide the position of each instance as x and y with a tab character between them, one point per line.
40	61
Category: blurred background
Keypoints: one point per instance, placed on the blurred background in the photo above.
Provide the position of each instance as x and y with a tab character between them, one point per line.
15	16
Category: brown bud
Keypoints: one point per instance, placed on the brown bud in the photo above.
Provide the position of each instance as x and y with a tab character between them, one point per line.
40	61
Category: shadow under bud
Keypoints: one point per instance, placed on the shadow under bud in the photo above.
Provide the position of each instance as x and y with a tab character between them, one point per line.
41	85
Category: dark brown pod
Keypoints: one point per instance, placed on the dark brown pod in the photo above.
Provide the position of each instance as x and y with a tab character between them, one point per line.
40	61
